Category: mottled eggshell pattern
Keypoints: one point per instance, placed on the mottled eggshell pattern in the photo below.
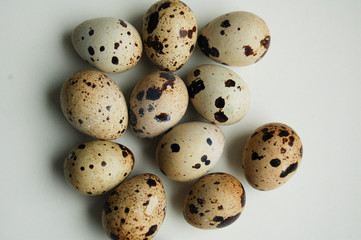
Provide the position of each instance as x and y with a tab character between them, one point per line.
215	201
135	210
189	150
158	102
94	105
95	167
169	34
218	94
235	39
271	156
109	44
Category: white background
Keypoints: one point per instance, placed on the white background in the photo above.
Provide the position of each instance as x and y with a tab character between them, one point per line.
310	79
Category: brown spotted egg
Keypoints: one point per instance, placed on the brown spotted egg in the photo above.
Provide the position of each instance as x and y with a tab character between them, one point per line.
189	150
235	39
271	156
135	210
218	94
94	105
158	102
215	201
95	167
169	34
109	44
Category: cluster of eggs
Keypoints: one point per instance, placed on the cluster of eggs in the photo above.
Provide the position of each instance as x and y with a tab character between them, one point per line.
93	104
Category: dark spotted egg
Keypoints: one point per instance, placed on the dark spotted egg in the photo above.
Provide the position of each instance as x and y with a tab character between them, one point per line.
169	34
235	39
135	209
215	201
109	44
271	156
94	105
157	103
189	150
95	167
218	94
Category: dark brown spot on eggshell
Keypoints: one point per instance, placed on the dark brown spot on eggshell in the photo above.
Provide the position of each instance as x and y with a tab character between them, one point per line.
225	24
205	48
195	87
266	42
153	22
248	51
220	117
289	170
183	33
230	83
219	103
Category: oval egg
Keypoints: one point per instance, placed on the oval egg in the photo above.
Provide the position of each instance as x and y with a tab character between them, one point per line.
235	39
158	102
94	105
169	34
215	201
218	94
189	150
135	209
109	44
95	167
271	156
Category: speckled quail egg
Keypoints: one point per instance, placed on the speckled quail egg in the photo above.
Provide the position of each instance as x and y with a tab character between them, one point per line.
94	105
218	94
215	201
189	150
271	156
235	39
95	167
109	44
135	210
169	34
157	103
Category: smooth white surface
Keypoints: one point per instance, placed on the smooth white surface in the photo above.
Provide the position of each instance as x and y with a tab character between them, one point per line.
310	79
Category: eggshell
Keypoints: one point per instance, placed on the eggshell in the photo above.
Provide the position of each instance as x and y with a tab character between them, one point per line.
235	39
189	150
94	105
109	44
271	156
169	34
95	167
135	210
215	201
218	94
158	102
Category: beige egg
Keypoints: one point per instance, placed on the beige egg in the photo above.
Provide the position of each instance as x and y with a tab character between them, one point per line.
95	167
189	150
135	210
215	201
94	105
271	156
158	102
169	34
218	94
109	44
235	39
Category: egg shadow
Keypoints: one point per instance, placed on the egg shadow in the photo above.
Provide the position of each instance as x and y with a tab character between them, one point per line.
234	150
73	56
178	196
94	211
